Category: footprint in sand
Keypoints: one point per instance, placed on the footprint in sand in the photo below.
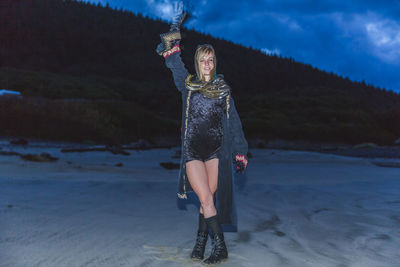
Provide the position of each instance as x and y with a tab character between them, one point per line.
182	255
171	254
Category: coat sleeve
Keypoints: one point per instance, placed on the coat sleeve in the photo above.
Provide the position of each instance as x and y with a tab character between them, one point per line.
238	140
178	69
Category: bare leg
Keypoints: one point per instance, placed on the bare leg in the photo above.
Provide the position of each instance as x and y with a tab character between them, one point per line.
203	177
212	173
198	178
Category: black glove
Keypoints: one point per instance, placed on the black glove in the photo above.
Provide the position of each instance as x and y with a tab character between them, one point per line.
240	163
179	17
173	37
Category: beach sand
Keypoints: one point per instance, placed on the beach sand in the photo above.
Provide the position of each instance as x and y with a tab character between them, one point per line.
296	209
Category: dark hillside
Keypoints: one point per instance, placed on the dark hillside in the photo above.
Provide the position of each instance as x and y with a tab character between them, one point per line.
69	49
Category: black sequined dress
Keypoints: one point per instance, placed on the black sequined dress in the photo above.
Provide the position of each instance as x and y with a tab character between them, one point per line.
204	129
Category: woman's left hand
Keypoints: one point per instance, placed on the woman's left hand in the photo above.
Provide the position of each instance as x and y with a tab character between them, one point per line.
240	162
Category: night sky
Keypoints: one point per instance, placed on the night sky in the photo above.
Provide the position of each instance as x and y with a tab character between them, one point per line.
359	39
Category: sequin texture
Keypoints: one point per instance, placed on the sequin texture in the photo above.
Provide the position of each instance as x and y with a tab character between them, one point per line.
204	128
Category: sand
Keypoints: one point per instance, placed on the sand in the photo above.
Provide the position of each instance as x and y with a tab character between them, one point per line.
294	209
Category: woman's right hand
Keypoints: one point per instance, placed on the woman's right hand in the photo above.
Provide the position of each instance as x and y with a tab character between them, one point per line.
168	41
173	37
178	17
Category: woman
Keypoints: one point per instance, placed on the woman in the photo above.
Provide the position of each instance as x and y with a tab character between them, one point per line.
211	136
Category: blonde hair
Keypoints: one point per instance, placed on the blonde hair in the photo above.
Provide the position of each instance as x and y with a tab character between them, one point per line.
202	50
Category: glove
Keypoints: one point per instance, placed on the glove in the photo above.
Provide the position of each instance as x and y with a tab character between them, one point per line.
179	17
240	163
173	37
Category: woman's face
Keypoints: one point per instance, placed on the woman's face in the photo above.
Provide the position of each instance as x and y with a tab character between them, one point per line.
207	65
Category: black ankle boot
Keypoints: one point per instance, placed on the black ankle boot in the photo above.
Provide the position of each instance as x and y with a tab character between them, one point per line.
198	250
219	251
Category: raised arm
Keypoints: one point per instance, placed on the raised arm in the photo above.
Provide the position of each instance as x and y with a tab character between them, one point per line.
174	62
170	50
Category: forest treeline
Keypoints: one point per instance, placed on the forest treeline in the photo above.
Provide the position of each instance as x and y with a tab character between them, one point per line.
90	57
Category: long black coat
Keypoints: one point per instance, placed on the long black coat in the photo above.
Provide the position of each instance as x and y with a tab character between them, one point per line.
233	142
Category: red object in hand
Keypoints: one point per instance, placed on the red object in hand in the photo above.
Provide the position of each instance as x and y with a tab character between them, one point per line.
172	51
241	162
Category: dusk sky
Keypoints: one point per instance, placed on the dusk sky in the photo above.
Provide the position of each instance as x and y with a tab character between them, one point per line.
359	39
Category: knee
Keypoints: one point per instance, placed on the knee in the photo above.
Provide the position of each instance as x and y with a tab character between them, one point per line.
213	190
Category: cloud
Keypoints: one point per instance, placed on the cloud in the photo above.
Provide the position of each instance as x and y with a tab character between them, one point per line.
267	51
385	36
359	39
163	9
